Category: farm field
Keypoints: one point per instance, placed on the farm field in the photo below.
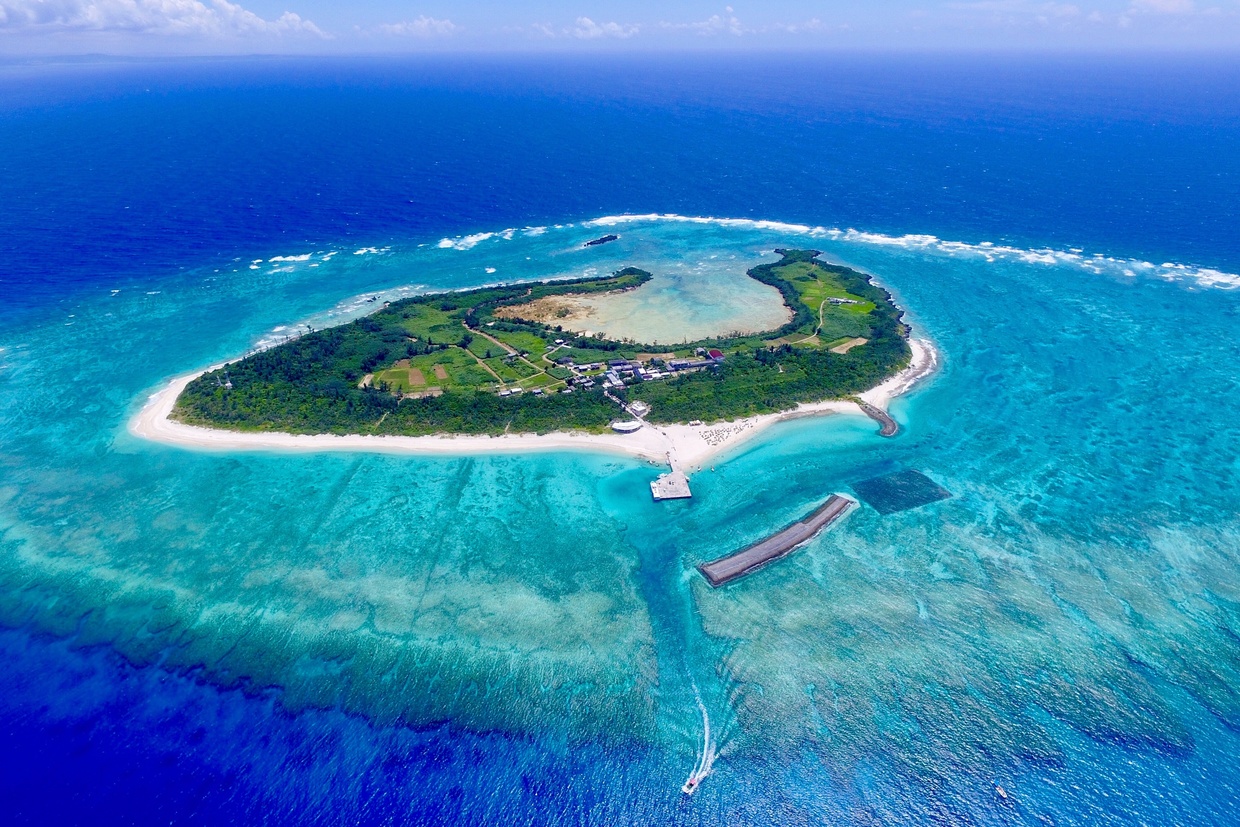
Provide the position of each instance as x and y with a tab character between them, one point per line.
452	362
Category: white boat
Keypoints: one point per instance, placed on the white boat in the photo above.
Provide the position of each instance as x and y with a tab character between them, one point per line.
706	759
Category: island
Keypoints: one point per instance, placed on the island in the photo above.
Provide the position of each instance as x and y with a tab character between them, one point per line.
506	368
494	361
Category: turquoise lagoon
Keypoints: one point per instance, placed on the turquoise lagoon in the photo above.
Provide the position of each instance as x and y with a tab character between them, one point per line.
1073	610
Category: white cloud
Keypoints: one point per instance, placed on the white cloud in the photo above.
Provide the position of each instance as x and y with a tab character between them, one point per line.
714	25
1021	7
587	29
583	29
215	19
1163	6
729	24
726	24
423	26
814	25
1065	15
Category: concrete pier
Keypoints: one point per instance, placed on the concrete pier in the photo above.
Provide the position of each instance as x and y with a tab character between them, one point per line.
726	569
671	486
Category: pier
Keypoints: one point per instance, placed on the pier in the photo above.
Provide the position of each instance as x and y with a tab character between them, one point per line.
671	486
890	426
726	569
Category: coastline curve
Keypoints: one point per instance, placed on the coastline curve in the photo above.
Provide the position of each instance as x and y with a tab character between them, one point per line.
677	446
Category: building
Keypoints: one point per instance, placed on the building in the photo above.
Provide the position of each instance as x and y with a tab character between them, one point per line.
687	364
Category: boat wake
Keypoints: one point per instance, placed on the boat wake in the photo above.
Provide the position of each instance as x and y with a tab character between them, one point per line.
706	756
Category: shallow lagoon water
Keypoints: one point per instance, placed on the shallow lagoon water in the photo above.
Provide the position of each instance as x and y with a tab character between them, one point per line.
1071	612
683	302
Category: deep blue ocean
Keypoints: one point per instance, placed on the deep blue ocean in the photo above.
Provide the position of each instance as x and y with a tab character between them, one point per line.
208	638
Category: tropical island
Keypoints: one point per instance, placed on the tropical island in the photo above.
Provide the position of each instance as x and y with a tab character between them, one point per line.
497	360
516	368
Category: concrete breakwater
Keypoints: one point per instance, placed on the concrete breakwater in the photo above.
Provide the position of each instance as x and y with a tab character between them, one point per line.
726	569
890	426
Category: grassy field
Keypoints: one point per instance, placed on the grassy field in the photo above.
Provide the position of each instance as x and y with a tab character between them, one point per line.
508	372
446	369
457	369
427	322
529	343
816	287
540	380
451	351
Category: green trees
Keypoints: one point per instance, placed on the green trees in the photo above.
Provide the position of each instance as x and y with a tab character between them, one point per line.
321	382
766	381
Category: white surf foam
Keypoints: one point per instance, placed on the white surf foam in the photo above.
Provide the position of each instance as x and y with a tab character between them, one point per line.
344	311
748	223
468	242
1074	257
1093	263
303	257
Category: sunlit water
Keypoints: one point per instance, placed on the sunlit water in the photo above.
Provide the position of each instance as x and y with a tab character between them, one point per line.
686	300
1070	614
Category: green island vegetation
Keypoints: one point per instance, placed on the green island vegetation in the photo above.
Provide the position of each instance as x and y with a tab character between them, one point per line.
447	363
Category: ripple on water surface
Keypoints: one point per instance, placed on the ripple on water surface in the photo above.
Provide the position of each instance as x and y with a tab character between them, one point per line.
1079	584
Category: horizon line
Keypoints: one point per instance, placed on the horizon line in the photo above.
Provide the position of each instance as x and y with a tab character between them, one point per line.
645	51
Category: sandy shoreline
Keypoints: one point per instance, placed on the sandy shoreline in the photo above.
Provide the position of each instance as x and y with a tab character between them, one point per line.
680	446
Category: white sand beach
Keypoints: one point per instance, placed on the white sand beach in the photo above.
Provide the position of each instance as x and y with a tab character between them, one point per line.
682	447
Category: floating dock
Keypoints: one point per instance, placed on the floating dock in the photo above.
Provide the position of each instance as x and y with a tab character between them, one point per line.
726	569
671	486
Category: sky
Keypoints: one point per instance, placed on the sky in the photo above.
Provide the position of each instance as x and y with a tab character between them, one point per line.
171	27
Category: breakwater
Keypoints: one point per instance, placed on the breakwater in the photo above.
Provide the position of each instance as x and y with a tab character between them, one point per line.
889	426
753	557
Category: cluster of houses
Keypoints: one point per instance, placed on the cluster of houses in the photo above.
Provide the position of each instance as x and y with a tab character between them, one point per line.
518	390
619	372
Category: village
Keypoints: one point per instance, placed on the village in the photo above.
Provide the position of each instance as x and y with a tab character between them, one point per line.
616	374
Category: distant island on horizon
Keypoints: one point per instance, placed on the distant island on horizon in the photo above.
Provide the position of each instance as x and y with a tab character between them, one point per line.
496	360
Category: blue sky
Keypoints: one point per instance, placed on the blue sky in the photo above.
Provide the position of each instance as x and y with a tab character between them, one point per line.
331	26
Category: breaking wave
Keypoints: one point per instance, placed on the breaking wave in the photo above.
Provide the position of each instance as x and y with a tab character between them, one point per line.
1094	263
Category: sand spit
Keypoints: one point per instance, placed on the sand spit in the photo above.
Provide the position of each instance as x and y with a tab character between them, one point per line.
685	447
